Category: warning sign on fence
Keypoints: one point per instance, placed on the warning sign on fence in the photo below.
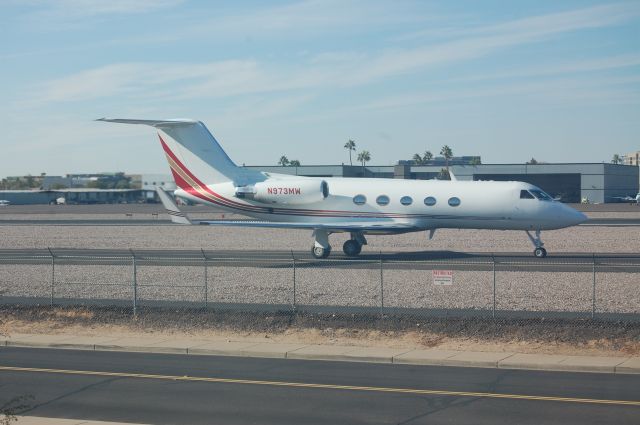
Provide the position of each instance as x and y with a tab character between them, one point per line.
442	277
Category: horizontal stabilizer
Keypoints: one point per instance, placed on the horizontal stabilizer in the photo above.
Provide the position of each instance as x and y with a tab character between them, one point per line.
152	123
169	204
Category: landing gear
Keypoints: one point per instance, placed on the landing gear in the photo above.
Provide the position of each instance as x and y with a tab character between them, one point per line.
539	250
351	248
320	252
321	247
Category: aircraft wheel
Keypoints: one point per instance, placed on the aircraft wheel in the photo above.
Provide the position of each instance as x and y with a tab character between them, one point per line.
540	252
320	252
351	248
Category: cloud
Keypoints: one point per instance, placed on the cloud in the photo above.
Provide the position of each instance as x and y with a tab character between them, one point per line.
329	70
76	9
57	15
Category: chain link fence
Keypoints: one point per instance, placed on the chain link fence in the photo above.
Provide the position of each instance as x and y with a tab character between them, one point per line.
455	285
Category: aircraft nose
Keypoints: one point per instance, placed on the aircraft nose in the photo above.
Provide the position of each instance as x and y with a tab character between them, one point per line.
573	217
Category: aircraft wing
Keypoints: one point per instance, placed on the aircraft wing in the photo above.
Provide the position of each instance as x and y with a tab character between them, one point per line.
337	226
178	217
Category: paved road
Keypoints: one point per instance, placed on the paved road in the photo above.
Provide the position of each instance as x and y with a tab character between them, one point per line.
424	260
170	389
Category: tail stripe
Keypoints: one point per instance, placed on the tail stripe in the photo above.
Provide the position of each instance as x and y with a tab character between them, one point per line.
194	186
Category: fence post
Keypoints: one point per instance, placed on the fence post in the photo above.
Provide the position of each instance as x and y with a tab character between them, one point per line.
381	287
53	275
293	263
593	293
134	282
493	262
206	278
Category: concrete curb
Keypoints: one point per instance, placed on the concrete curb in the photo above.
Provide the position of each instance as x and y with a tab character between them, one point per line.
164	345
36	420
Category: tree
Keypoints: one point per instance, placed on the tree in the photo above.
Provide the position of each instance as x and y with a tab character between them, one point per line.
428	156
475	161
364	157
448	154
351	146
417	159
284	161
294	163
122	184
532	161
616	159
444	174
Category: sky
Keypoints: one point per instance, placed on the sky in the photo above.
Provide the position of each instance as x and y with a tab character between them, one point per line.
507	80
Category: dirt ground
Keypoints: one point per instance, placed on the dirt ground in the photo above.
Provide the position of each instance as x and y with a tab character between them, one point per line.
574	337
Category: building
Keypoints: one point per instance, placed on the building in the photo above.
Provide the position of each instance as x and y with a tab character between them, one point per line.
599	182
632	158
74	196
441	161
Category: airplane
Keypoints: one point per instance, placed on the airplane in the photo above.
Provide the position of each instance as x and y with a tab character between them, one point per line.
358	206
630	199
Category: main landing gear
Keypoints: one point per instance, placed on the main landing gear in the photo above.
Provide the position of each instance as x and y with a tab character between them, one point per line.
322	249
539	250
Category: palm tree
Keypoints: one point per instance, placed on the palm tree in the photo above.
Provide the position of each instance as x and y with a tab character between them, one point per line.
364	157
532	161
616	159
351	145
294	163
417	159
284	161
448	154
475	161
428	156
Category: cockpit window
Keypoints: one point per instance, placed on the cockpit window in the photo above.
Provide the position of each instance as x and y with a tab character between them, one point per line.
541	195
525	194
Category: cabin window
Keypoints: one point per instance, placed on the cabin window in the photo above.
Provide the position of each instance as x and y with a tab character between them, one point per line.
429	201
454	202
541	195
359	199
382	200
525	194
406	200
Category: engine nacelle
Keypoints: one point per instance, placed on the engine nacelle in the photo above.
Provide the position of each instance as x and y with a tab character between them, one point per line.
286	191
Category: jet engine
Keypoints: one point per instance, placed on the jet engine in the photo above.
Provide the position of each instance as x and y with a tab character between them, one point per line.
286	191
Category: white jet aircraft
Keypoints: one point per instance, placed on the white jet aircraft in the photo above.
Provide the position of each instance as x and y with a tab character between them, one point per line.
360	206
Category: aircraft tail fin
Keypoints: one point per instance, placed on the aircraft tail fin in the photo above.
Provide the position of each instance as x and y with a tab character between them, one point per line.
169	204
194	155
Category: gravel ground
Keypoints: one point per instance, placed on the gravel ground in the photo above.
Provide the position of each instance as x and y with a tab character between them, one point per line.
574	239
531	291
326	286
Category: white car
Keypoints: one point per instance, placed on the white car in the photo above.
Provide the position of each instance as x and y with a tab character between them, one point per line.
4	203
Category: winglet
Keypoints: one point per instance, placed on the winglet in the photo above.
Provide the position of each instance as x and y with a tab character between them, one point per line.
176	215
452	176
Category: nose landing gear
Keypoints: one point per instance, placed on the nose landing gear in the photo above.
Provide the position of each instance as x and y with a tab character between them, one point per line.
539	250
